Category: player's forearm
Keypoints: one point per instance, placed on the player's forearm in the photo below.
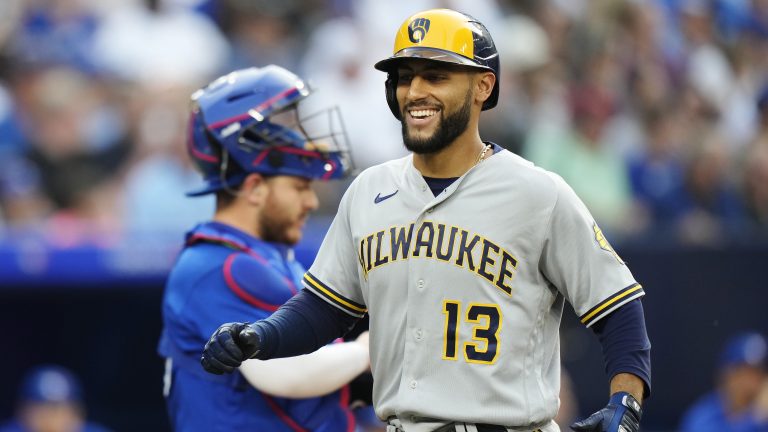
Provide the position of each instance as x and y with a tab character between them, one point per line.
625	382
312	375
302	325
626	347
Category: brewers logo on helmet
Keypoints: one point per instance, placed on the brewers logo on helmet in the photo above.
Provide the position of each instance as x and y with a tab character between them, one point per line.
248	121
442	35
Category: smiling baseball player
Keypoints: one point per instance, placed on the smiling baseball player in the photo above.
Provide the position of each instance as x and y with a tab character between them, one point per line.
464	255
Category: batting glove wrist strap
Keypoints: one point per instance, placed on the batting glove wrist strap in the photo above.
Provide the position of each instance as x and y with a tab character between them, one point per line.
622	414
250	340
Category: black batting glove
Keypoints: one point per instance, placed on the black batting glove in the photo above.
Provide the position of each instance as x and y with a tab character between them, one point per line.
621	415
229	346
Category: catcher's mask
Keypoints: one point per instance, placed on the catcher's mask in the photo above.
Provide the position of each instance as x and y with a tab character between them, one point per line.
441	35
250	121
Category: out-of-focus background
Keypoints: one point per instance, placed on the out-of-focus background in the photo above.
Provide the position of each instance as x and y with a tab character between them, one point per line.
655	111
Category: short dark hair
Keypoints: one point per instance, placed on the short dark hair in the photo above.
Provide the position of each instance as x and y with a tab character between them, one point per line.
225	197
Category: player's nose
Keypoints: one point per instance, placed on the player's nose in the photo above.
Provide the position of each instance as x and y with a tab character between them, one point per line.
311	202
417	89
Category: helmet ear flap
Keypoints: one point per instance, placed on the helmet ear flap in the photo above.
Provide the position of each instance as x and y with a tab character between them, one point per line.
390	87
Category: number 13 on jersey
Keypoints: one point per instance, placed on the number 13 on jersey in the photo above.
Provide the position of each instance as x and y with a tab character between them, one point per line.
485	321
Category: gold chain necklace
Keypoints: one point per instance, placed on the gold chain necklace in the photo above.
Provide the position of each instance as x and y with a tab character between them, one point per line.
482	153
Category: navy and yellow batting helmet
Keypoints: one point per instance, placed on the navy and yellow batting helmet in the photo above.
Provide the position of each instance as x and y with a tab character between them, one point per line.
250	121
442	35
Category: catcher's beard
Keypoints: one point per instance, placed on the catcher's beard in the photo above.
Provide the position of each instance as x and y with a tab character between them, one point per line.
278	226
449	128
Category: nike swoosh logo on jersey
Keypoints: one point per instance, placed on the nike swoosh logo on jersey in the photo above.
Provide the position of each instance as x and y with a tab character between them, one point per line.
380	198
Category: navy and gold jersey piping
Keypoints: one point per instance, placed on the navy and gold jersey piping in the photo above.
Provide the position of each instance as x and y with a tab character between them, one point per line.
611	303
349	306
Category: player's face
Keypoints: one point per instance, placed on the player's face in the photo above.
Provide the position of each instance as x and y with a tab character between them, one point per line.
52	417
435	102
288	203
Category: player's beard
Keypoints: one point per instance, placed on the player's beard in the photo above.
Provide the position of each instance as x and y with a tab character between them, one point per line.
449	128
276	227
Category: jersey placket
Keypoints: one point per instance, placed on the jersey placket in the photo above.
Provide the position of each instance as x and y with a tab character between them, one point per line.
418	297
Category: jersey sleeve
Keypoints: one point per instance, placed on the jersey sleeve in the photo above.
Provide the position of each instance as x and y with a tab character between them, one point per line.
580	262
333	275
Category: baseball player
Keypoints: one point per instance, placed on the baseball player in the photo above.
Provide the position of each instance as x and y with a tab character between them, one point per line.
257	157
464	255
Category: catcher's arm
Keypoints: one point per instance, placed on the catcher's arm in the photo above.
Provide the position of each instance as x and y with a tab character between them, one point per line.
311	375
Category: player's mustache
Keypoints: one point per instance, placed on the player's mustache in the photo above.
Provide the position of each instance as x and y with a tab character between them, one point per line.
422	105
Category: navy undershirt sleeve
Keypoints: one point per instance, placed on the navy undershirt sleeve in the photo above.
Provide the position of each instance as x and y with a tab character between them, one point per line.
626	347
302	325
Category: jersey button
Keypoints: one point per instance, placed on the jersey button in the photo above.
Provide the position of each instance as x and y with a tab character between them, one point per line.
424	188
420	284
413	384
418	334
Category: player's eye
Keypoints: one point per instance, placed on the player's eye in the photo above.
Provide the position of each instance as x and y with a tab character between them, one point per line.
435	76
404	78
301	185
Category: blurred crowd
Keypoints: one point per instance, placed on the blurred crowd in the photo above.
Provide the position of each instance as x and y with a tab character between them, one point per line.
50	399
654	111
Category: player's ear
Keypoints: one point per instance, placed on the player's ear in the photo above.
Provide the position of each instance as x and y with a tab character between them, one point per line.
255	189
484	82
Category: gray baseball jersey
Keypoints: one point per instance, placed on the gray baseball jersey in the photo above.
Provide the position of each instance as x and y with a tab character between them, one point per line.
465	290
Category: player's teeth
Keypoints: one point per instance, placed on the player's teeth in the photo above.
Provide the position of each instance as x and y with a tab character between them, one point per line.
423	113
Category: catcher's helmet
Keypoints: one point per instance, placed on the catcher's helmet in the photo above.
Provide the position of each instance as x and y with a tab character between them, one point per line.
442	35
248	121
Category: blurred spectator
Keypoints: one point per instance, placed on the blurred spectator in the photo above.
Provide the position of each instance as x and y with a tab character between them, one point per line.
756	187
160	167
264	32
160	51
707	68
755	168
714	210
738	17
761	138
719	74
597	175
23	203
646	82
56	32
532	95
10	133
345	75
74	148
657	173
740	401
152	41
50	400
10	18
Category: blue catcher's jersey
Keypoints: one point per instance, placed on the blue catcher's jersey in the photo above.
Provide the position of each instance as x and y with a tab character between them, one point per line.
224	275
